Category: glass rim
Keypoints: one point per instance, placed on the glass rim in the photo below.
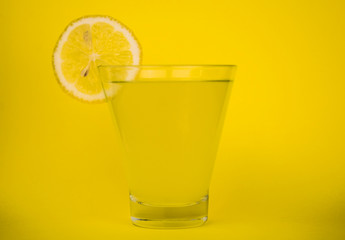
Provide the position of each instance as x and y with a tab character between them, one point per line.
214	72
168	65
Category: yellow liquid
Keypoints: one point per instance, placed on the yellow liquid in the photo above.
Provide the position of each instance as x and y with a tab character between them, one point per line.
170	132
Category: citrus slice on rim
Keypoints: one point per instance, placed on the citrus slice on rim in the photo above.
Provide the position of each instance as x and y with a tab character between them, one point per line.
86	43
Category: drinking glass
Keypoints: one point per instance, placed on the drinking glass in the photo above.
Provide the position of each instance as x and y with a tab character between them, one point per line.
170	120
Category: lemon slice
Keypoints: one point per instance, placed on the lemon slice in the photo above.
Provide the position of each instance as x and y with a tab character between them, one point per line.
86	43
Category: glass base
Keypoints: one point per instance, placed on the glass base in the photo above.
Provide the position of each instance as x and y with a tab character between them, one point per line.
148	216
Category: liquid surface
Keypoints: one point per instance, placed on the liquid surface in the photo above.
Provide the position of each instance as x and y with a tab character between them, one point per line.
170	132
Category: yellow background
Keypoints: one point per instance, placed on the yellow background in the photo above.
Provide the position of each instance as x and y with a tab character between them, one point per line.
280	173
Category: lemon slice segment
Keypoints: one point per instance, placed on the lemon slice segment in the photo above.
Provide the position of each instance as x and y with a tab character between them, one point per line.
86	43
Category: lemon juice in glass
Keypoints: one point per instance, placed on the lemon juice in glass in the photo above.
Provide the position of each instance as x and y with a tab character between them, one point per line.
170	119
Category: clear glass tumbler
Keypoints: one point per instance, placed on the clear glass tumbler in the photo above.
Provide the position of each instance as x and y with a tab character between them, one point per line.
170	120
